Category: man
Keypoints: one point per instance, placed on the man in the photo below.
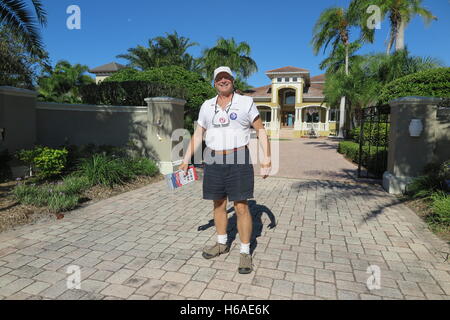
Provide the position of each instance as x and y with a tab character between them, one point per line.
226	121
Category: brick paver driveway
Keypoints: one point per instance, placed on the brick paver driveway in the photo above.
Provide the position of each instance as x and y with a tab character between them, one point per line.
146	244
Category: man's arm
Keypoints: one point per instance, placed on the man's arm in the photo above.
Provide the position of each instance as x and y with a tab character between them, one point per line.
194	144
266	163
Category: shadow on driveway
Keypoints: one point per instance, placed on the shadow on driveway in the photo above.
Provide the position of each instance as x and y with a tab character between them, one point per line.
256	211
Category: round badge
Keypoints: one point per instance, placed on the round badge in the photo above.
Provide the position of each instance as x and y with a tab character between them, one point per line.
233	116
222	120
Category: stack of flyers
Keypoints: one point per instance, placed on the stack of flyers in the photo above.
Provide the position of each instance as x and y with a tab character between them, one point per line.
179	179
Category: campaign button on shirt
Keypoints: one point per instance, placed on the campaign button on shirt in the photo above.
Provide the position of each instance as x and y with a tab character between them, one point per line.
233	116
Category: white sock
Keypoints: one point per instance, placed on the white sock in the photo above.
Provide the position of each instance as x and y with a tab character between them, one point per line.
222	239
245	248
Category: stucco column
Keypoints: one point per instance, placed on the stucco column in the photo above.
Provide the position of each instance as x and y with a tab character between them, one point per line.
342	118
165	115
274	125
408	155
298	119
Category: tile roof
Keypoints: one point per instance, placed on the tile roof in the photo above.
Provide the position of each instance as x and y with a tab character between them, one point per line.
259	92
319	78
287	69
110	67
314	91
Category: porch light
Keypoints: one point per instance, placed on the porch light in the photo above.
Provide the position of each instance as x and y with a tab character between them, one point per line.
415	128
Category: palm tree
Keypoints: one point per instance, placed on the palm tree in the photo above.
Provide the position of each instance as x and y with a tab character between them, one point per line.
400	13
63	82
16	15
333	26
227	52
163	51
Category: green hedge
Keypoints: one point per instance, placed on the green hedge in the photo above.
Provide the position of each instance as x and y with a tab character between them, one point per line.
375	161
196	88
374	134
430	83
128	93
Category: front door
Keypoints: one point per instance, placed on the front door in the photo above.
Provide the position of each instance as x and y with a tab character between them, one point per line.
287	119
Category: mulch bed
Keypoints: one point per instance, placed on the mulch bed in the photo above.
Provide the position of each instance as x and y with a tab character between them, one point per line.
422	209
14	214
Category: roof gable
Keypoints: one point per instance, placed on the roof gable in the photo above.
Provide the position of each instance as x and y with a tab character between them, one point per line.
288	69
110	67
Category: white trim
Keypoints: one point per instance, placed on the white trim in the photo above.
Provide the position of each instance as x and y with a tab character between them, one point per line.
88	108
296	72
166	100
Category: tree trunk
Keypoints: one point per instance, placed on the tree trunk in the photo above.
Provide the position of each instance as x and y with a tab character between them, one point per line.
390	42
346	60
400	36
343	99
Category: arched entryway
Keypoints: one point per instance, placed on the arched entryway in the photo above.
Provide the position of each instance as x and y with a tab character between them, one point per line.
287	98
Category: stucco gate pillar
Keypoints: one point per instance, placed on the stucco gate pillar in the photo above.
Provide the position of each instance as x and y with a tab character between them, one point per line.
165	115
413	140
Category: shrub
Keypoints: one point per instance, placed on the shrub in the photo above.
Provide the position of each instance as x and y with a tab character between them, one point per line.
197	89
127	93
73	185
374	134
5	170
143	166
434	179
375	161
441	209
104	170
45	161
430	83
59	202
31	195
88	150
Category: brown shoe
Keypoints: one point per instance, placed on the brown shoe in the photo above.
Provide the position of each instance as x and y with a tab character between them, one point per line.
215	251
245	264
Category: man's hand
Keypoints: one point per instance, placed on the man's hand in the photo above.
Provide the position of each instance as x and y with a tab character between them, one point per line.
265	168
184	167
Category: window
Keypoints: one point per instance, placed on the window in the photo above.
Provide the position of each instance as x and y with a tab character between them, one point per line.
289	98
286	79
312	117
334	115
279	80
295	79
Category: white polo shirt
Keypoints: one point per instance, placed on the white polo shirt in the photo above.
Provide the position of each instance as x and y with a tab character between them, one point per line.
229	128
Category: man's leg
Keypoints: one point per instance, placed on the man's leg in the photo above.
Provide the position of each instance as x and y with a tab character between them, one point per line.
220	216
221	222
244	221
244	224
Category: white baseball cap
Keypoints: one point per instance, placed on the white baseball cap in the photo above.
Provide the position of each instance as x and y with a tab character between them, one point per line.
223	69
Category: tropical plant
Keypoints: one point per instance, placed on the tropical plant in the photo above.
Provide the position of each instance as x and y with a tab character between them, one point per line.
333	26
163	51
62	84
19	68
17	16
228	52
400	13
197	90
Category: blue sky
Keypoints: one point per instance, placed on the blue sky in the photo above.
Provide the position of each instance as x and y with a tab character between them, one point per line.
279	32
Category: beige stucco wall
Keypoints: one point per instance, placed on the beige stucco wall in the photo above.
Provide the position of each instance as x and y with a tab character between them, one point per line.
17	118
58	124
